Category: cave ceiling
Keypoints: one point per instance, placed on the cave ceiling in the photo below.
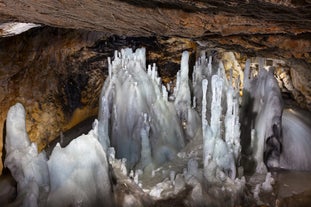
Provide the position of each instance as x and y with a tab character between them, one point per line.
265	26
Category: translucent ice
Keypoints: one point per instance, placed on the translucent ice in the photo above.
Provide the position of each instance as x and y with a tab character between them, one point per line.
296	140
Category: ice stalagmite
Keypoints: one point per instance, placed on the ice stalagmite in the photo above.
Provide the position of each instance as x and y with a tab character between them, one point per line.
131	92
262	110
27	166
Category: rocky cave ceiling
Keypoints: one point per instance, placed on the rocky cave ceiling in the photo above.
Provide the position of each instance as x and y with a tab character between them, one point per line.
57	70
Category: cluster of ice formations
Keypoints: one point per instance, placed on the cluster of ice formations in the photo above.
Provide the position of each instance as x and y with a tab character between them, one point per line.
141	130
221	138
75	175
135	115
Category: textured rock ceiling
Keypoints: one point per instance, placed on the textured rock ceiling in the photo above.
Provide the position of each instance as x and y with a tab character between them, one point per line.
56	67
281	26
185	18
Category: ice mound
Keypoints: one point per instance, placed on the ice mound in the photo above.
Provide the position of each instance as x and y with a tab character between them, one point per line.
74	175
79	174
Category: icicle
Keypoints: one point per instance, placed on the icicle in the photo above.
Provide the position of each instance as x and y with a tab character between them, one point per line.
194	103
153	74
232	125
183	97
164	93
209	67
204	102
103	124
184	65
149	71
109	67
217	85
168	85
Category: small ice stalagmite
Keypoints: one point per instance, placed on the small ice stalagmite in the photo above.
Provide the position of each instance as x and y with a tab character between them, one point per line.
27	166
